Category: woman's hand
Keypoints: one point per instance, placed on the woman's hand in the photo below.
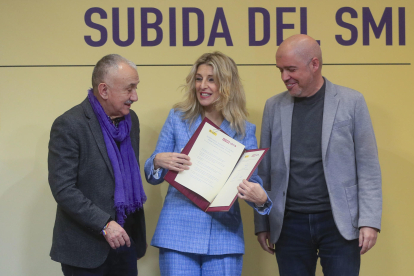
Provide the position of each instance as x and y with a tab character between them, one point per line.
252	192
172	161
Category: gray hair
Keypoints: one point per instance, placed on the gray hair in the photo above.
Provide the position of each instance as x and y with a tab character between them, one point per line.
106	64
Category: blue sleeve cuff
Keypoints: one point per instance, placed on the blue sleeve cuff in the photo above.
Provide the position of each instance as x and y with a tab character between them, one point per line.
265	210
156	174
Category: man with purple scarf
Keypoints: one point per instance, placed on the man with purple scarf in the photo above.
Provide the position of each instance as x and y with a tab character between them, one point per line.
95	178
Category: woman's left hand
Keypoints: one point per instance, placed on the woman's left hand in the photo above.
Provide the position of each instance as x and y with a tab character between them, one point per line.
252	192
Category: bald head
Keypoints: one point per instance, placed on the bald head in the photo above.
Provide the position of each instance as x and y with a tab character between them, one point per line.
299	59
302	46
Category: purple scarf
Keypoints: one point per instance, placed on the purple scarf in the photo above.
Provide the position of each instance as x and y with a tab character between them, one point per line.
129	194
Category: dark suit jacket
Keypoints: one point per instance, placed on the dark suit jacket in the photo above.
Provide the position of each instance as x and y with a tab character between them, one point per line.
82	183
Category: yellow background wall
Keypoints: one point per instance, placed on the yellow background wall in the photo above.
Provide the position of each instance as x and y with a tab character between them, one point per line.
47	32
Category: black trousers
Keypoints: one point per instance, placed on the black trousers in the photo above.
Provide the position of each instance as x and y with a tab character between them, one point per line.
120	262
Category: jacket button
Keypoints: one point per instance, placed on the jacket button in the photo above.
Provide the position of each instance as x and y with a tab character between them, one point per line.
283	193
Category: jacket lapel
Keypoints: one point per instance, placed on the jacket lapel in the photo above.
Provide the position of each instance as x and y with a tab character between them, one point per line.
97	132
329	112
286	111
191	128
225	126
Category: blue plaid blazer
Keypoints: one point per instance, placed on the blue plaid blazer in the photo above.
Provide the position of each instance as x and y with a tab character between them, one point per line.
182	226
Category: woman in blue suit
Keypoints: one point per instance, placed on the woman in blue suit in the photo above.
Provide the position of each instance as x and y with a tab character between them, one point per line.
192	242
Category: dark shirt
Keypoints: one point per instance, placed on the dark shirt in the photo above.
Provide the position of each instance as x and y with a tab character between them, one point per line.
307	191
116	121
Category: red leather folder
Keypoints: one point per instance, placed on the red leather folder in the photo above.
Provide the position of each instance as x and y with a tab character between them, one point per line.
197	199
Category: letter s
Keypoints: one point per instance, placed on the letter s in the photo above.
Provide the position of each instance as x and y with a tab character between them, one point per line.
102	29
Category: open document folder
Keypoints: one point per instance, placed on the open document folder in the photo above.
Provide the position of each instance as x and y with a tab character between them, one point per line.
219	165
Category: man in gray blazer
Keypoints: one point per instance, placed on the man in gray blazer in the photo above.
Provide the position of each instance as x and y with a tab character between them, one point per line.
322	172
94	177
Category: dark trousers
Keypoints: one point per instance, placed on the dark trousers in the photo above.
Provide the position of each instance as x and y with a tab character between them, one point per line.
120	262
305	237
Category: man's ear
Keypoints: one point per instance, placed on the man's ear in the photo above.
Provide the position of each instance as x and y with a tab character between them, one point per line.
315	64
103	90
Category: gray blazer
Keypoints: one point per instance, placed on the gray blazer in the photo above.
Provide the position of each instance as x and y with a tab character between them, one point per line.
82	183
349	155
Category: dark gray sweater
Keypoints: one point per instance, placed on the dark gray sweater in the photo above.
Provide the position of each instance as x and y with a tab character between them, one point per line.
307	190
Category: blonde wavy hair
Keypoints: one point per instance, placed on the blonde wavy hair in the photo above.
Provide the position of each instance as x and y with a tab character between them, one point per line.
232	100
